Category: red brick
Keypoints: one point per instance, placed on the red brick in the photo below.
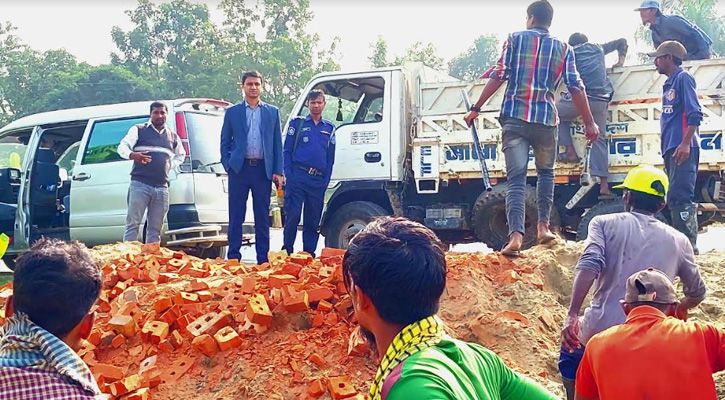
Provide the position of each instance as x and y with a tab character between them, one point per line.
171	315
95	337
324	306
196	285
147	364
162	304
166	277
167	347
177	369
110	373
184	321
316	359
185	298
331	252
118	289
317	294
232	263
155	331
210	323
176	263
318	320
278	281
258	310
197	272
227	338
296	302
291	269
301	259
140	394
128	384
341	388
117	341
332	319
316	388
124	325
206	345
204	296
248	285
176	339
151	377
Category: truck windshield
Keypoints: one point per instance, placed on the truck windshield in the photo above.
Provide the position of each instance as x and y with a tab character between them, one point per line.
204	132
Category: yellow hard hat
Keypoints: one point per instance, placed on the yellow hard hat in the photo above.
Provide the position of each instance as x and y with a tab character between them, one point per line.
646	179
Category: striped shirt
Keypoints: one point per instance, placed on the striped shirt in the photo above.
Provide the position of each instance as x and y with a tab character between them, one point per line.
35	365
534	64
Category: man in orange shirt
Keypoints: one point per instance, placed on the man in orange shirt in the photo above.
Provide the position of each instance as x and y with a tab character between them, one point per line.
652	355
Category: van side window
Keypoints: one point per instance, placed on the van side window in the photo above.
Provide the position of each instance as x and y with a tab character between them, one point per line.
104	140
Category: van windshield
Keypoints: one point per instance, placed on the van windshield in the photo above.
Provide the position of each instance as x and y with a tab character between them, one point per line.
204	132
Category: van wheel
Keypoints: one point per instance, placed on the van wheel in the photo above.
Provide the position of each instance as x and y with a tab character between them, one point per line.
211	252
491	224
350	219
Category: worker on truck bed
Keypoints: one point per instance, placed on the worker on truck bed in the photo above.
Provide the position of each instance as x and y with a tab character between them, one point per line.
49	316
251	153
675	27
617	246
679	122
534	63
155	149
309	154
652	355
593	71
395	272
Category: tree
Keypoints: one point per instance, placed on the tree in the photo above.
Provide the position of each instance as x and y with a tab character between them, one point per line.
420	53
476	60
702	13
379	56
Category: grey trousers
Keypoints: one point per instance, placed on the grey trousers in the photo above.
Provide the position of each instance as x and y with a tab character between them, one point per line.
143	197
518	137
599	156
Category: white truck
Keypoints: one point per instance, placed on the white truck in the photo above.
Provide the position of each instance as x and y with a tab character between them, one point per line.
403	149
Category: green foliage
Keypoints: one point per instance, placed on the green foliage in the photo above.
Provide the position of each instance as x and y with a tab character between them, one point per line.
421	53
379	57
173	50
476	60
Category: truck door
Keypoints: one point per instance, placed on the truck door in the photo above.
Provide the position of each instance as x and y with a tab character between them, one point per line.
359	107
22	218
100	181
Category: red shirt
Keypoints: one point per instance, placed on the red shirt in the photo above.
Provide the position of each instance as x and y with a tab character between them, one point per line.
652	356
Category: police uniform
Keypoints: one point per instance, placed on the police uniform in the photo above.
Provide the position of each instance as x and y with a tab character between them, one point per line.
309	153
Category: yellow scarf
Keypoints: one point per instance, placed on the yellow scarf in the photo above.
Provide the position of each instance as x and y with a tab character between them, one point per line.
415	337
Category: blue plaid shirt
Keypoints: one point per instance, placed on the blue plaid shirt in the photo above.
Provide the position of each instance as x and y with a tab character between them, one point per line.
534	64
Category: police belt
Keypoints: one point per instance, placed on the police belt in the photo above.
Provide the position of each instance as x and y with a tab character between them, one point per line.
309	170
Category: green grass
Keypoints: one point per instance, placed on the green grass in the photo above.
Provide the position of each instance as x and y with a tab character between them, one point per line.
5	277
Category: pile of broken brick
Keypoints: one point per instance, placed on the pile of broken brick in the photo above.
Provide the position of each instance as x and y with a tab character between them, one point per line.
161	313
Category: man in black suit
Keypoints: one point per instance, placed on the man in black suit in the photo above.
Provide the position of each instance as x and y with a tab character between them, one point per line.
251	153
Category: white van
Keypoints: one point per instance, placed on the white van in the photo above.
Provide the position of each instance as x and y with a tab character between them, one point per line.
60	175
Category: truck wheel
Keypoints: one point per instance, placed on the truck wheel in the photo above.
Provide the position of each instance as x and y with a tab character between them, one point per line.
10	262
491	224
350	219
603	208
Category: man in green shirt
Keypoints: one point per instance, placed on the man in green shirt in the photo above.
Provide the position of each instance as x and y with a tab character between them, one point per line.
395	272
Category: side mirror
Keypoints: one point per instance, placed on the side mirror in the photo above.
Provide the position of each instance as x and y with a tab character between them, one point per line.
185	167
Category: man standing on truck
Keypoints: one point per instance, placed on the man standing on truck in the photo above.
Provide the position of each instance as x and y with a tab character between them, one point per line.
49	316
653	354
675	27
593	71
617	246
395	272
309	154
155	149
251	153
680	121
534	63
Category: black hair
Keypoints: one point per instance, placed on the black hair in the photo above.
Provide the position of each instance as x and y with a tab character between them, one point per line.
645	201
542	11
158	104
577	38
677	60
56	283
315	93
400	265
252	74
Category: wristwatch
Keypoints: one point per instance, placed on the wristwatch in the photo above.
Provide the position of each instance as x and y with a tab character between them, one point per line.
476	109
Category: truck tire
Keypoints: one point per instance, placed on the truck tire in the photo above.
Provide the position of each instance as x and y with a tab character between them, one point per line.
490	222
603	208
348	220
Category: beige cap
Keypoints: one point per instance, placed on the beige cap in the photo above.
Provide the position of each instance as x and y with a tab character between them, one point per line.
670	47
650	285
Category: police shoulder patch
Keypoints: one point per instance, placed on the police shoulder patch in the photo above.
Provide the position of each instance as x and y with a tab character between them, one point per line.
291	131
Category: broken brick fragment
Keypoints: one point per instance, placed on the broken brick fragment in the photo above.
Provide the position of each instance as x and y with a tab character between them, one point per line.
162	304
316	388
341	387
117	341
324	306
155	331
278	281
206	345
258	311
296	302
123	324
182	298
227	338
317	294
248	285
316	359
110	373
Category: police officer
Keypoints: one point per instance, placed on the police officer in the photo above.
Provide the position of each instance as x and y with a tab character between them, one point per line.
680	122
309	153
